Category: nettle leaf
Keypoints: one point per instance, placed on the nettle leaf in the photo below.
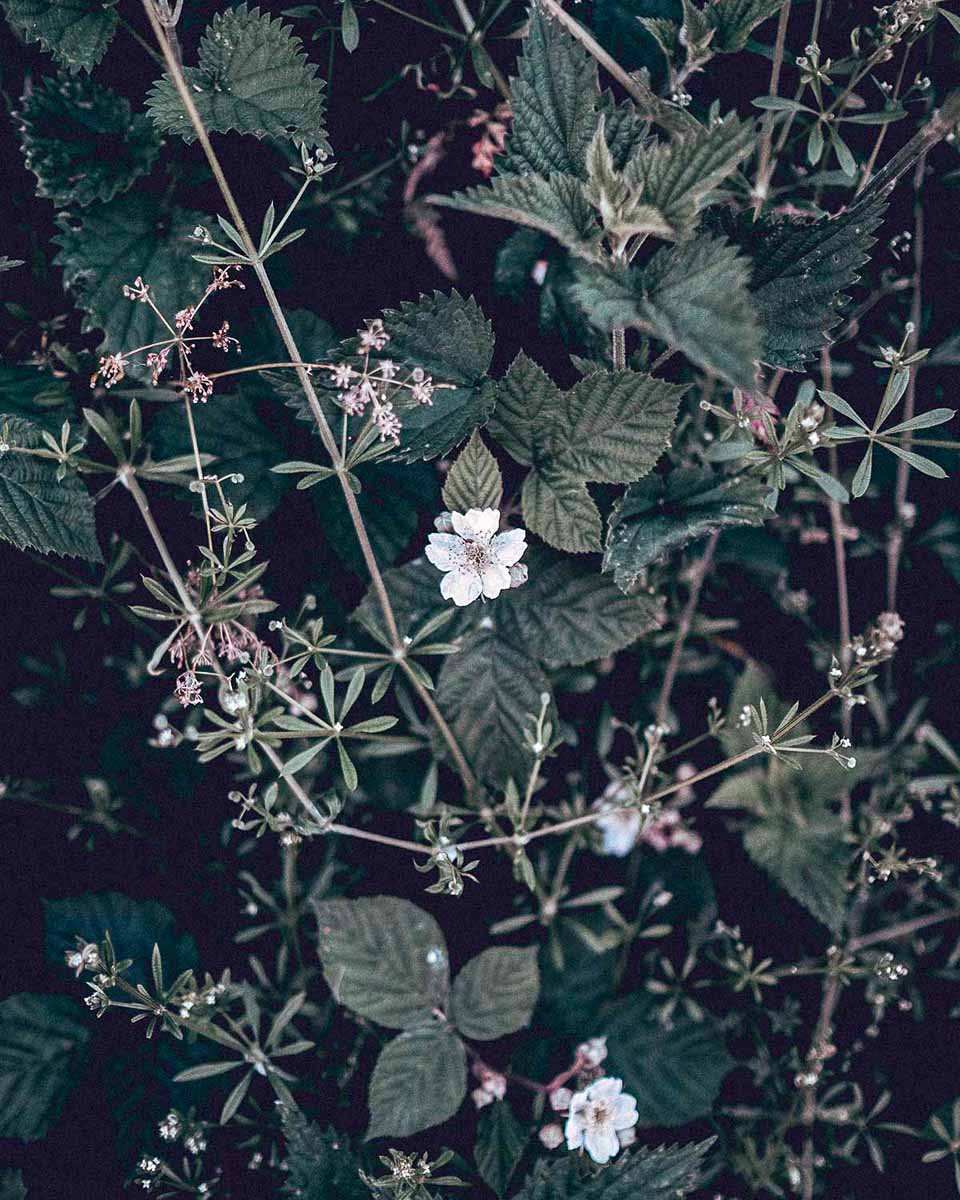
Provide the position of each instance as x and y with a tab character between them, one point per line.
568	615
611	427
676	1072
253	77
319	1163
734	20
42	1046
488	692
659	516
76	32
554	204
12	1186
800	272
692	296
82	141
384	958
36	509
474	480
34	393
110	245
660	1173
420	1080
553	100
135	926
501	1141
495	993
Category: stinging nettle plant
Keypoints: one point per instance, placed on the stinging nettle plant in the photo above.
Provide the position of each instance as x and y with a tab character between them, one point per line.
551	552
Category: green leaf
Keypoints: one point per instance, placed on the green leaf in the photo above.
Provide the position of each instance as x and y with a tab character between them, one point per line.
553	100
42	1047
675	1073
414	591
474	480
734	20
109	246
661	1173
554	204
82	141
560	509
253	77
36	509
501	1141
319	1163
525	397
488	692
419	1081
135	926
76	32
34	393
661	515
12	1185
693	297
568	615
384	958
495	993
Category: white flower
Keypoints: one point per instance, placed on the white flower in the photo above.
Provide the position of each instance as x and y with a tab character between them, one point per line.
551	1136
475	558
593	1051
619	826
597	1116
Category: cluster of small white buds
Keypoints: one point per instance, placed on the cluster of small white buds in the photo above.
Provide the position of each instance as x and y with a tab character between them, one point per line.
170	1127
86	957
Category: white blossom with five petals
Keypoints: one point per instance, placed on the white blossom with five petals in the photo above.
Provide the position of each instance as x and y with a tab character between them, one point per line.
600	1118
475	558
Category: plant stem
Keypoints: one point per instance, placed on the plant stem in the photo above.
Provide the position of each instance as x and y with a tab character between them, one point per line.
764	168
697	578
618	348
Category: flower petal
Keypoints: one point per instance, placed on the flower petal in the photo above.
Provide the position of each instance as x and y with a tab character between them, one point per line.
624	1112
574	1131
477	524
444	550
495	579
605	1089
466	587
508	548
601	1143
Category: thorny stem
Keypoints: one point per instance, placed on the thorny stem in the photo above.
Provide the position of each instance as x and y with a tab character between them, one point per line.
764	171
697	579
323	428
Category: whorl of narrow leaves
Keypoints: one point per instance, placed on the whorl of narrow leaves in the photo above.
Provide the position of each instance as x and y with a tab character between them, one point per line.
111	245
76	32
692	296
82	141
662	1173
495	993
42	1045
474	480
253	77
36	509
420	1080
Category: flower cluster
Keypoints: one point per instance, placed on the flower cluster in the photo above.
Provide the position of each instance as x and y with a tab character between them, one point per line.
600	1116
624	825
475	558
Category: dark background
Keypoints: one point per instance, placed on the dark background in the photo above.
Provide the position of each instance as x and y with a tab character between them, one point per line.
79	716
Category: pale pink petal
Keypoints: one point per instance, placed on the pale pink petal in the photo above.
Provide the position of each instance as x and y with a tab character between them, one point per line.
477	524
508	548
624	1112
444	550
601	1144
495	580
466	588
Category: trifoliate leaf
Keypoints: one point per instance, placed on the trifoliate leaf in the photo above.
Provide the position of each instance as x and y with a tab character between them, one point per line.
554	204
674	1072
734	20
420	1080
37	510
474	480
553	100
76	32
253	77
660	1173
319	1164
42	1046
34	393
82	141
501	1141
489	693
135	926
567	614
661	515
692	296
384	958
109	246
495	993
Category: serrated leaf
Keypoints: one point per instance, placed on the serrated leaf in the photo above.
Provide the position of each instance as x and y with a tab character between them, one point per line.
42	1046
36	509
525	398
559	509
734	20
554	204
495	993
253	77
660	1173
384	958
568	615
420	1080
474	480
109	246
692	296
12	1186
488	692
414	591
319	1163
661	515
501	1141
135	926
674	1072
82	141
76	32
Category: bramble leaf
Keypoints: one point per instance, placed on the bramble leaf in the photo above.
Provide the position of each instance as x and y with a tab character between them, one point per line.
501	1141
474	480
76	32
495	993
420	1080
